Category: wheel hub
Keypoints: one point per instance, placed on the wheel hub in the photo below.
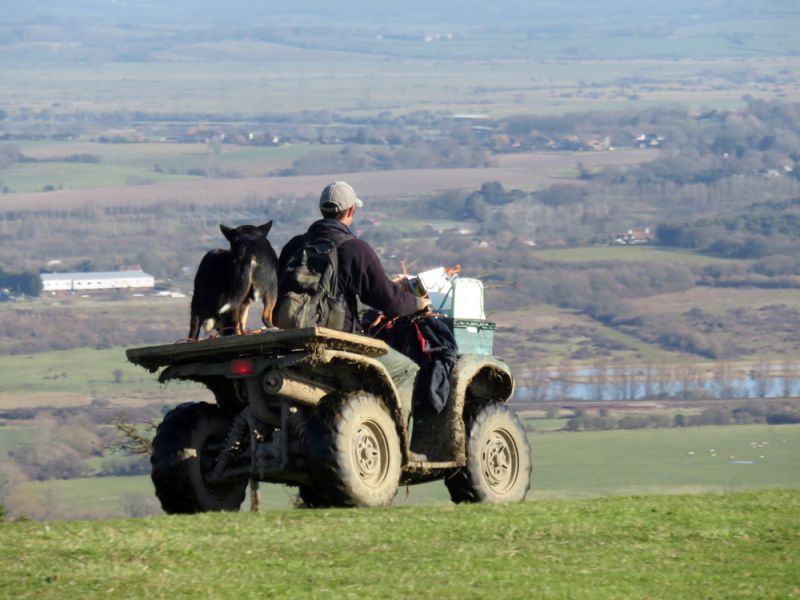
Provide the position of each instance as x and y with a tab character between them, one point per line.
370	453
499	461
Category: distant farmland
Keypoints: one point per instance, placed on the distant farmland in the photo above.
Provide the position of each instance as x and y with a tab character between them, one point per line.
528	171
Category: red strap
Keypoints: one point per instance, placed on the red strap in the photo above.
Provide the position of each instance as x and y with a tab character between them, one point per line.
423	343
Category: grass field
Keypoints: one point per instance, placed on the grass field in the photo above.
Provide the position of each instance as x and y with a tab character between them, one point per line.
718	300
126	165
566	465
626	254
75	377
8	437
36	177
82	370
714	546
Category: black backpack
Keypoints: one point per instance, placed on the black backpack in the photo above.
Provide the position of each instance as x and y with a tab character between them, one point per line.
309	286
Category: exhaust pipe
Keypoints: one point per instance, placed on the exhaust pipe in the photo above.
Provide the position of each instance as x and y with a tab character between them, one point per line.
276	383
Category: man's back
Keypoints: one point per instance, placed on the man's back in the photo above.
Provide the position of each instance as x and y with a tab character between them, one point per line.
360	273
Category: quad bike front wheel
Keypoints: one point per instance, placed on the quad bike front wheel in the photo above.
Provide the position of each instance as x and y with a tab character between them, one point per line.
498	465
354	451
185	448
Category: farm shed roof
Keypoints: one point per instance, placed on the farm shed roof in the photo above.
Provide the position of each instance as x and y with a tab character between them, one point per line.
94	275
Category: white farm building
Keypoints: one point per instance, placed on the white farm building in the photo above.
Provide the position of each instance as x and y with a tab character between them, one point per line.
102	280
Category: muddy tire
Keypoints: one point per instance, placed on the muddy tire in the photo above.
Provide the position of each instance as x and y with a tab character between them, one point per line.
498	465
354	451
184	451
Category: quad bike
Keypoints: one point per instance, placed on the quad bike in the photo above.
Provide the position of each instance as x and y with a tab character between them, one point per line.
313	408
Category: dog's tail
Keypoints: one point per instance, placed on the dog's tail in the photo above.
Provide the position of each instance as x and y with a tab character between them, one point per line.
243	281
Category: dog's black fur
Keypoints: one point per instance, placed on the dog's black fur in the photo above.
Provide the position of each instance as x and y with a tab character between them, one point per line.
227	281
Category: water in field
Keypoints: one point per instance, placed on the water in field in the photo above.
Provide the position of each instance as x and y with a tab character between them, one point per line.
771	381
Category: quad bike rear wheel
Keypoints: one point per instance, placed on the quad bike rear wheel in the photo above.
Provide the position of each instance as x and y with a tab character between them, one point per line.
498	468
185	448
354	451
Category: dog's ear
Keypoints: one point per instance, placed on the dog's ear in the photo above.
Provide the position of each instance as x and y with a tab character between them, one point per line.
265	228
228	232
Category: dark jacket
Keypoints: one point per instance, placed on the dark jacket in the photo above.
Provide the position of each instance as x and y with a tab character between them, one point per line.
430	343
361	274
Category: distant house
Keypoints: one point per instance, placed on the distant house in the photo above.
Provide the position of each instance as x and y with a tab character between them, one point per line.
598	143
649	140
634	236
103	280
470	117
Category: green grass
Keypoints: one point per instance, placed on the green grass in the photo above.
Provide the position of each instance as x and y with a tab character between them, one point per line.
658	461
106	496
8	437
641	253
34	177
252	160
127	164
94	495
544	424
80	370
714	546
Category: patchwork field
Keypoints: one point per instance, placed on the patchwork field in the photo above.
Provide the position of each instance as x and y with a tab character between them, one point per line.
527	172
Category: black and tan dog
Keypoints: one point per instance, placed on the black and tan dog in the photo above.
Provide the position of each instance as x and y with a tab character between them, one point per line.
227	281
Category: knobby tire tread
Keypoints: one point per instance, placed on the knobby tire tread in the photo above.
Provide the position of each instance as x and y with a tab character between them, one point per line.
169	473
465	484
330	470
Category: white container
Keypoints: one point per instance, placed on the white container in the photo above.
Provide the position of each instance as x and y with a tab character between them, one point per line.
463	301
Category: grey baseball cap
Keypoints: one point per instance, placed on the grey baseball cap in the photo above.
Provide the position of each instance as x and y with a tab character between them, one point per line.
337	197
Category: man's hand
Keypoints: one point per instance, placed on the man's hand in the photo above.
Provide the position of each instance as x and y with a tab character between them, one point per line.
424	304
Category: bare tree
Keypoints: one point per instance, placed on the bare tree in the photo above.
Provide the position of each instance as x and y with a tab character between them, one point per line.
721	379
648	380
565	383
788	377
665	380
686	377
618	380
599	379
761	376
539	383
16	495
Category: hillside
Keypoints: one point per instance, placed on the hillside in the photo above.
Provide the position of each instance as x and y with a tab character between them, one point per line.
735	545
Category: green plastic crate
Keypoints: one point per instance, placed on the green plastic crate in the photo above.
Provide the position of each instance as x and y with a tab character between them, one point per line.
474	336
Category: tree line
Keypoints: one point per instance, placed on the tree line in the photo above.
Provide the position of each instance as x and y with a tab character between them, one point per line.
22	283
